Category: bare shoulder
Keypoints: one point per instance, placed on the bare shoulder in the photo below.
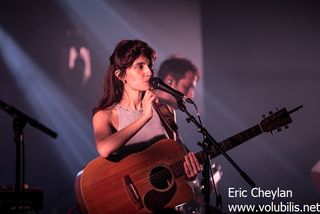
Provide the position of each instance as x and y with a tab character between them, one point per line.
102	115
105	117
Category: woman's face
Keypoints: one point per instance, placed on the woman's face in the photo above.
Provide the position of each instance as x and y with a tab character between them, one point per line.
138	74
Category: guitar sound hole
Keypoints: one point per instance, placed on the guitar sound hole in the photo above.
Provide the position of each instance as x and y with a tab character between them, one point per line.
160	177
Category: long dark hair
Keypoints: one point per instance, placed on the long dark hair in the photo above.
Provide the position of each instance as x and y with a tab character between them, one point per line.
123	56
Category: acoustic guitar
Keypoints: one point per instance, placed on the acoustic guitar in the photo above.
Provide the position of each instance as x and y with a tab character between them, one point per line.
152	179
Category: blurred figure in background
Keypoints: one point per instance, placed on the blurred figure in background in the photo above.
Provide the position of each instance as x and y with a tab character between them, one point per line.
180	74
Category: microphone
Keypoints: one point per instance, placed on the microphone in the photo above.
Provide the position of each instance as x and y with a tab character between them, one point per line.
157	83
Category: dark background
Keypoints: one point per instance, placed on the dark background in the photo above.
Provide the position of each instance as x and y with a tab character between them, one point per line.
255	56
259	56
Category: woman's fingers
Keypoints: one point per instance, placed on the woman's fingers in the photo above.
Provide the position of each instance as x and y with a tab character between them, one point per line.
194	162
191	165
150	95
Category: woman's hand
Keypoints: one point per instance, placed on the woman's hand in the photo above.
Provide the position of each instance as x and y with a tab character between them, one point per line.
191	166
148	99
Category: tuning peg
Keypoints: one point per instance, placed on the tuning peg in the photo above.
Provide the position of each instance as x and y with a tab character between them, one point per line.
286	126
270	112
279	129
277	109
271	132
263	116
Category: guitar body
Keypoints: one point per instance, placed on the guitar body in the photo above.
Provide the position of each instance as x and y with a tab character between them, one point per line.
139	183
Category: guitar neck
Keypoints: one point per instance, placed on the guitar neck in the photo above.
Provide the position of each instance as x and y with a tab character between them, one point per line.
232	142
226	145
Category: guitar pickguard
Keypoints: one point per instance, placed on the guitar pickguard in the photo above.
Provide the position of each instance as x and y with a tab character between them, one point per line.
156	200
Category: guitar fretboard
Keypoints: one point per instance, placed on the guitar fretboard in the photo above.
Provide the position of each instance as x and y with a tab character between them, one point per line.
178	169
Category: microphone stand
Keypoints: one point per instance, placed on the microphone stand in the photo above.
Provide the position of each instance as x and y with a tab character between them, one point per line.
20	120
208	143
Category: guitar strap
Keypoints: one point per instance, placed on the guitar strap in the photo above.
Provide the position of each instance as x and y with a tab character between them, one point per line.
167	119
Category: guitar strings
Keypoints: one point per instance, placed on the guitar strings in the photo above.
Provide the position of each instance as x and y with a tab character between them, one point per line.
143	184
158	176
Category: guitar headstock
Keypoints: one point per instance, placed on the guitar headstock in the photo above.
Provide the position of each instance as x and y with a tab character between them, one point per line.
276	120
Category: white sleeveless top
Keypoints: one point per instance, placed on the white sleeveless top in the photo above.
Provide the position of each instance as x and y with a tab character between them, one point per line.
151	132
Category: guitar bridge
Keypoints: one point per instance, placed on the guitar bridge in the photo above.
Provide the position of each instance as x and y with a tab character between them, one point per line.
131	189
